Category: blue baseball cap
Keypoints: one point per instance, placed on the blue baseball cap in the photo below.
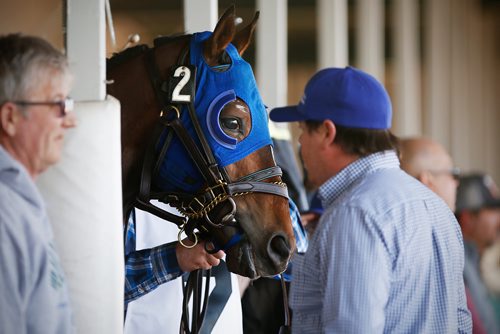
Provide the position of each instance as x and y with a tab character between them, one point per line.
347	96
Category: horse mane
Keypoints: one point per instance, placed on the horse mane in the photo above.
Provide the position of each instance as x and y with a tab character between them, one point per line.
162	40
132	52
122	56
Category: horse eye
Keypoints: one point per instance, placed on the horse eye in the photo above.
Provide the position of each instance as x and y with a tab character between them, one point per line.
232	124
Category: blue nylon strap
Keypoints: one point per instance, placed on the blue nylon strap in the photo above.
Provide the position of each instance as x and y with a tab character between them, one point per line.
233	241
236	238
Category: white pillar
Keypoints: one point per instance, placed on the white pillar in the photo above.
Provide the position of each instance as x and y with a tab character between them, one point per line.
476	106
83	196
407	92
460	144
490	70
332	33
272	58
370	37
437	83
200	15
86	48
83	192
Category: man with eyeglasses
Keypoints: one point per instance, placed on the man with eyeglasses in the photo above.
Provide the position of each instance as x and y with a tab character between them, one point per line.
428	162
34	116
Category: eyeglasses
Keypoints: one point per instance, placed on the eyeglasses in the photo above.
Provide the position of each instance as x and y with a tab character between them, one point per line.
454	172
65	106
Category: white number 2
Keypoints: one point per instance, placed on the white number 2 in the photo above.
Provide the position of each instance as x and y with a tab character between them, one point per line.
185	73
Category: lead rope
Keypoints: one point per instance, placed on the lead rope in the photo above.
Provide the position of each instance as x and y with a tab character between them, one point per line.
286	328
193	287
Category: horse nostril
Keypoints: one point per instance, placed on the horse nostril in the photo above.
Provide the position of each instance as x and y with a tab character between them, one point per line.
278	249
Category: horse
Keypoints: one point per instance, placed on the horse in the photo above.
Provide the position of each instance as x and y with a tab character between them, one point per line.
201	148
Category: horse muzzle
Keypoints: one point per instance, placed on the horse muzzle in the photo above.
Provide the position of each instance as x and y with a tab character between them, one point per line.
243	260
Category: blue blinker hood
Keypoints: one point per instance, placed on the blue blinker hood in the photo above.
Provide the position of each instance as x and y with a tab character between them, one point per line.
213	91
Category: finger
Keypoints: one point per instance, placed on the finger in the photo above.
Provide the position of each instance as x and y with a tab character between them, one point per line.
213	261
219	255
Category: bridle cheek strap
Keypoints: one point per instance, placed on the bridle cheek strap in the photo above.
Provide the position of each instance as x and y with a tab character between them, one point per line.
257	187
251	183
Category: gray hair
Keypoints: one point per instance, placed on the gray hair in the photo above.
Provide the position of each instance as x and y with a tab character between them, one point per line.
27	62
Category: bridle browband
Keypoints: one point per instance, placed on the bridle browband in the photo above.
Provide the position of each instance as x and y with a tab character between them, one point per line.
218	192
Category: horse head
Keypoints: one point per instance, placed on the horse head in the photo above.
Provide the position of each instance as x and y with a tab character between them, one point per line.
213	155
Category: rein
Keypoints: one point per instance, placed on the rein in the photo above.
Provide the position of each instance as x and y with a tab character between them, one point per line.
172	95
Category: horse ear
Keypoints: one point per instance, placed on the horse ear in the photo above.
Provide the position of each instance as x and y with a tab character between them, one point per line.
244	37
221	37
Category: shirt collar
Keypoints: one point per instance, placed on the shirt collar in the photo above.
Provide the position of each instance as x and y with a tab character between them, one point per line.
337	184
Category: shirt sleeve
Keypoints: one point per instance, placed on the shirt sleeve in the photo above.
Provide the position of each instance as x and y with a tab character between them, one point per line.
299	232
464	315
146	269
357	275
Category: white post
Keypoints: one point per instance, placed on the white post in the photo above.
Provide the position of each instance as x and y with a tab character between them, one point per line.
272	58
407	97
370	37
86	48
200	15
333	42
83	191
437	84
462	123
83	196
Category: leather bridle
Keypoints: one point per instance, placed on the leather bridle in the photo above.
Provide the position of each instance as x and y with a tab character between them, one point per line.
215	200
219	190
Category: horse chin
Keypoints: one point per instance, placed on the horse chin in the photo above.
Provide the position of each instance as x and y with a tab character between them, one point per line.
240	260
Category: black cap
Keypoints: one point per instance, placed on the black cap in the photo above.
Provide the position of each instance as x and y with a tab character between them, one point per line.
477	191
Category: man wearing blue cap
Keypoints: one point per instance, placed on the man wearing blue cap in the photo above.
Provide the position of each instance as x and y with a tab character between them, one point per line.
387	253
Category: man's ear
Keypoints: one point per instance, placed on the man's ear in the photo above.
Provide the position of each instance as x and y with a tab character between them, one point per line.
9	117
330	131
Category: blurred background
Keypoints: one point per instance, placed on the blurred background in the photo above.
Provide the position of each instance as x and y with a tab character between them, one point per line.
439	59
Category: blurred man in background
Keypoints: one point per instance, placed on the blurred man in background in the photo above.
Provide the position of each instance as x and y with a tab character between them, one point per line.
428	162
478	213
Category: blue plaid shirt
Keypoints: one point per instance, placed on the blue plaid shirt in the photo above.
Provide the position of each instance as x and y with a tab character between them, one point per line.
386	257
146	269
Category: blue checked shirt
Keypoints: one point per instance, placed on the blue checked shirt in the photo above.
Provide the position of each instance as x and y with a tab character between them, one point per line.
386	257
146	269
